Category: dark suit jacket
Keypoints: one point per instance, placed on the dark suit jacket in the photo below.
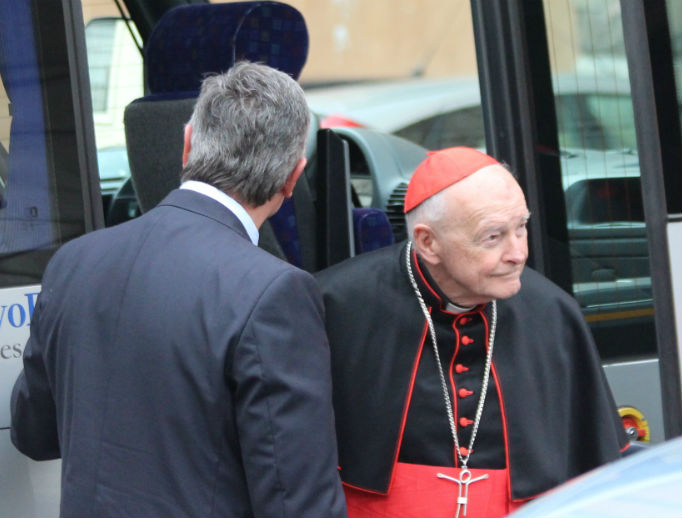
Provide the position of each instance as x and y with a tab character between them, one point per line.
179	370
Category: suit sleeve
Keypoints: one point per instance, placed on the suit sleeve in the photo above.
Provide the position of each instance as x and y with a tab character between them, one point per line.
282	380
34	417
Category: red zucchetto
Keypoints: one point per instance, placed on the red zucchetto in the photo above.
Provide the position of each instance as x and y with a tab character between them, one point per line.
441	169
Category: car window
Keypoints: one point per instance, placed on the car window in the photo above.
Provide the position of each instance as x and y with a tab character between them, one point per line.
601	120
616	117
463	127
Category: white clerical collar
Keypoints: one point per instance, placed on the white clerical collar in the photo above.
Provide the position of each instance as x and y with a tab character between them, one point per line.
454	308
228	202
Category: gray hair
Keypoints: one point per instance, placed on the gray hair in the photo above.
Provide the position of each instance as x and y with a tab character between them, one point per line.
249	130
429	212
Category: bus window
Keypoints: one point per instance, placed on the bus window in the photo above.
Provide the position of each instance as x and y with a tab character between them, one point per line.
26	210
47	167
41	204
600	173
116	79
613	243
675	228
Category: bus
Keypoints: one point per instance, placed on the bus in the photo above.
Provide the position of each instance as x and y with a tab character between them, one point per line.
581	98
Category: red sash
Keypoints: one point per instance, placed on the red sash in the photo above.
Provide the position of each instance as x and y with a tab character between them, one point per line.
416	491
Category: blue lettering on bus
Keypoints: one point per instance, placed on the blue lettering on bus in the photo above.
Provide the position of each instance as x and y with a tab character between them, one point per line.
17	314
31	297
12	315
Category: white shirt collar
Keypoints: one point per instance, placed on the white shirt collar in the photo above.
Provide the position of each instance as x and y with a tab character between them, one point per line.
456	308
228	202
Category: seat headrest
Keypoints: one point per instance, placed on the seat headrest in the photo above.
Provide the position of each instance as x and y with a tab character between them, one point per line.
191	41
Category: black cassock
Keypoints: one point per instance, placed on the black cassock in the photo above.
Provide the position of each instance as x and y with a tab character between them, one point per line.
548	416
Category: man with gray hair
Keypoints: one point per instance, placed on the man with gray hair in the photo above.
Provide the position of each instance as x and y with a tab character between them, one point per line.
464	382
175	367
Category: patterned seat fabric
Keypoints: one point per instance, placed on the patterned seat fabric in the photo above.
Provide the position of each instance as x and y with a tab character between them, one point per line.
188	43
372	229
193	40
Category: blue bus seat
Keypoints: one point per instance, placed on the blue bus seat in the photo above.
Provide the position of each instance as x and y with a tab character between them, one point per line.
189	42
372	229
192	40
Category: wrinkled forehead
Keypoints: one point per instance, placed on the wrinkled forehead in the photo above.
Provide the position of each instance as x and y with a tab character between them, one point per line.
492	194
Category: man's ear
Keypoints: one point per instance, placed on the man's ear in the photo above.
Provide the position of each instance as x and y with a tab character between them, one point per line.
187	144
288	187
426	243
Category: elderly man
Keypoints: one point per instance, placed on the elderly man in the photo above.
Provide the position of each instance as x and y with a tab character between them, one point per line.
175	367
464	382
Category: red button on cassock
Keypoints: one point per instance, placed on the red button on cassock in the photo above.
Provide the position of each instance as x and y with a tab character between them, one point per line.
464	392
463	421
459	368
466	340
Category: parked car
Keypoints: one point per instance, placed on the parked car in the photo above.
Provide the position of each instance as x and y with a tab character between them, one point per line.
644	484
592	112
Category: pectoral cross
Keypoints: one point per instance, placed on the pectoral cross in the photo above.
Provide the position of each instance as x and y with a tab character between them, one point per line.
463	483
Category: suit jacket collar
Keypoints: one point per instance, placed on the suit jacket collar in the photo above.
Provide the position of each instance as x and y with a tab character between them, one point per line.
199	204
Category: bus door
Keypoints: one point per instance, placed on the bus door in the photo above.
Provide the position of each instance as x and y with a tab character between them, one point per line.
587	113
49	194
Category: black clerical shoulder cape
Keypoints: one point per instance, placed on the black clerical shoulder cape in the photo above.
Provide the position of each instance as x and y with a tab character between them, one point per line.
561	419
